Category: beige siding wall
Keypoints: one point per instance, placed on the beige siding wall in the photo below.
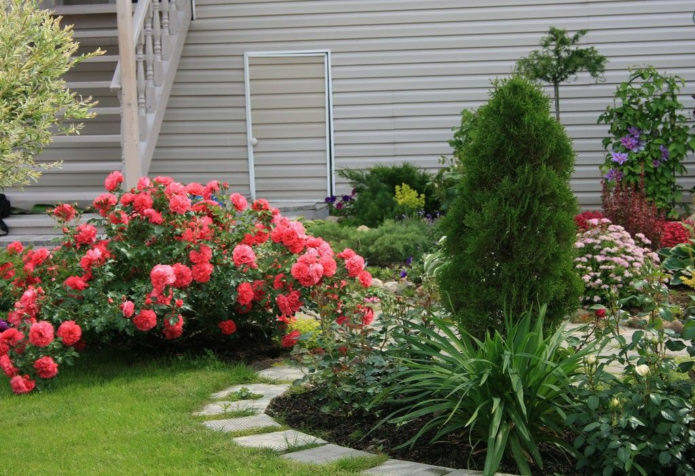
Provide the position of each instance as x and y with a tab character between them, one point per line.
403	70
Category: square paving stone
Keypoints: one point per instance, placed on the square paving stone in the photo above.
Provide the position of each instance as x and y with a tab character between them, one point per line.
395	467
266	389
279	440
325	454
241	424
220	408
284	373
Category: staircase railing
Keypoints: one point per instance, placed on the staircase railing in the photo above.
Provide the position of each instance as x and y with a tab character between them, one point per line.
159	29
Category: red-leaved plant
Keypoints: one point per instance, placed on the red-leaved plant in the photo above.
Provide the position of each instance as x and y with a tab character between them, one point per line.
173	260
628	206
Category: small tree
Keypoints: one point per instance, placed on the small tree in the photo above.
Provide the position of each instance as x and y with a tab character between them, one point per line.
35	103
561	59
510	233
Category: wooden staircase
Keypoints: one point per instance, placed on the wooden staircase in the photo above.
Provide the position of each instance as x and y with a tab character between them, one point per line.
159	29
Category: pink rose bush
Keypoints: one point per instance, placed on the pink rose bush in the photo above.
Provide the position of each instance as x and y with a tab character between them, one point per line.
609	260
167	261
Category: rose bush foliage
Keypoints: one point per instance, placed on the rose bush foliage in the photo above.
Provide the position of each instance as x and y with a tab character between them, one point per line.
174	261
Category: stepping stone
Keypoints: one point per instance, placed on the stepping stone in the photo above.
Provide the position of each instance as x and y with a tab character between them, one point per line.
265	389
397	467
325	454
220	408
465	472
284	373
241	424
279	440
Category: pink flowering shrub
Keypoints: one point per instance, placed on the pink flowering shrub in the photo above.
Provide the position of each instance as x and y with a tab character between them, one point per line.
609	260
174	261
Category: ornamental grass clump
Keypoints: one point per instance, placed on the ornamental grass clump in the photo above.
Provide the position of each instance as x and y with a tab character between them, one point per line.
505	394
510	232
609	260
175	262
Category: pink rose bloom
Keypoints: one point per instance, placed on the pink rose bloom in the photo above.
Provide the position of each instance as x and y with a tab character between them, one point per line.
41	333
365	278
202	256
15	247
354	265
329	266
143	183
173	331
86	234
163	180
46	367
179	204
227	327
142	202
244	255
194	188
153	216
290	340
162	275
244	294
11	337
21	384
239	201
69	332
76	283
347	253
201	272
113	180
183	274
128	308
145	320
64	212
7	366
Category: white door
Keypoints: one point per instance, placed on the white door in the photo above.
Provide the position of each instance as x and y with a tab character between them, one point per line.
289	133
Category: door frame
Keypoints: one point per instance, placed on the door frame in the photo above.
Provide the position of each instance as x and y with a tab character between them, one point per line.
330	162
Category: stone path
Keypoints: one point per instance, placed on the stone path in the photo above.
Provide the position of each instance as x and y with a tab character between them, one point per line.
293	444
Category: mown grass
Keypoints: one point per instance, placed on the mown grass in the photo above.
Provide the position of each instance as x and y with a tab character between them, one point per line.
127	414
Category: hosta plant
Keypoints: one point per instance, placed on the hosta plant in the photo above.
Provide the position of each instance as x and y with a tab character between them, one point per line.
174	262
507	393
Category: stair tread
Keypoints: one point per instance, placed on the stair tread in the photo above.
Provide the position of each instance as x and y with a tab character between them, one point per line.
88	138
89	84
38	219
102	59
107	111
65	10
95	33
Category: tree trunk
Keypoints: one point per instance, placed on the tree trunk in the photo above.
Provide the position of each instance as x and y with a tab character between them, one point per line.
556	88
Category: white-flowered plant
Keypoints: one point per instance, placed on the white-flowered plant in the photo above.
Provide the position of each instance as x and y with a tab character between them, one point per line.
609	260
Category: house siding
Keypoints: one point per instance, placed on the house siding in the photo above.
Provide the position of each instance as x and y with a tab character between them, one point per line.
402	72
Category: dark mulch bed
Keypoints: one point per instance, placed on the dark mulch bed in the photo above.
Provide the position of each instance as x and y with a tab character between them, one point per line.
302	411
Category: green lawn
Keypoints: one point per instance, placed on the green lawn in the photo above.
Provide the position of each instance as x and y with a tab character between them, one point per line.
123	414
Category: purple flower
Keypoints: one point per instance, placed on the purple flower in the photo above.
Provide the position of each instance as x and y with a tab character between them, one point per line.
409	261
330	199
347	198
613	175
634	132
403	273
3	325
664	153
630	143
656	163
619	157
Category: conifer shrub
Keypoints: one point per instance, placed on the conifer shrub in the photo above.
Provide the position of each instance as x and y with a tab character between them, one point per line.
510	232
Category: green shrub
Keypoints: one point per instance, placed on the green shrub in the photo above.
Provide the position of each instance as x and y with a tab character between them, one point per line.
507	393
393	242
375	192
35	53
510	233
